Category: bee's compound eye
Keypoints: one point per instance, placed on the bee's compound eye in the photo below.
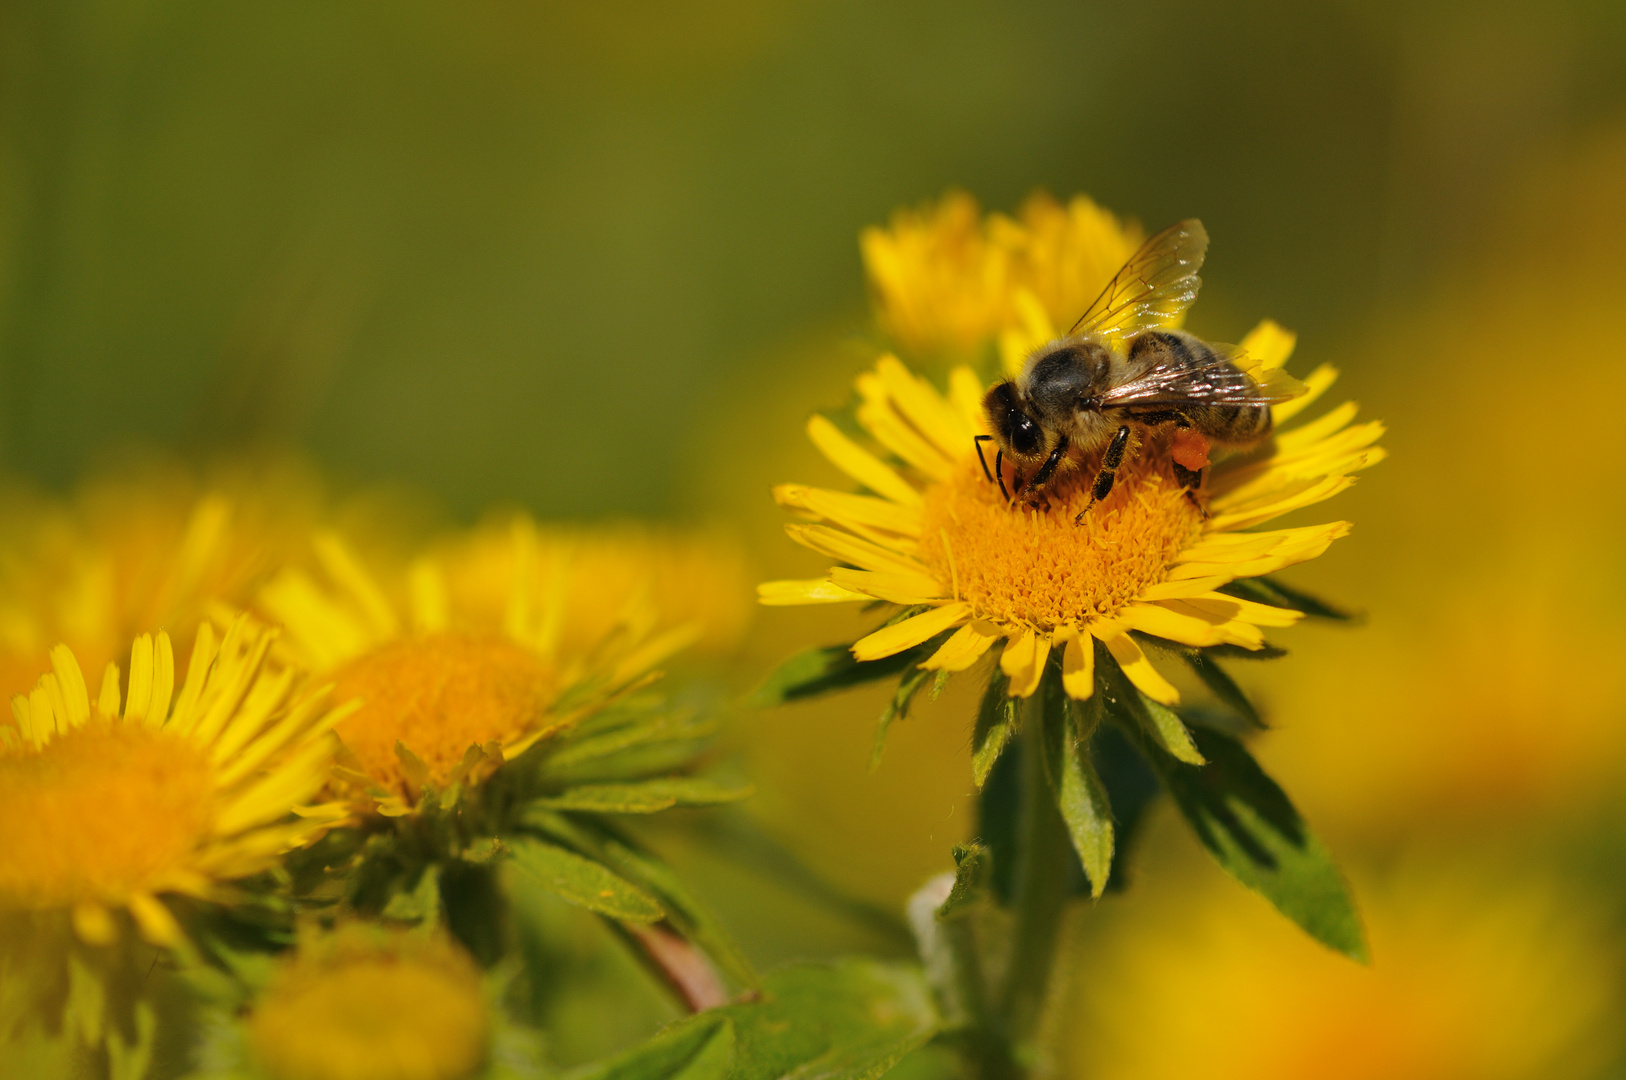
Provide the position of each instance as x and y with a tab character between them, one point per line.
1023	434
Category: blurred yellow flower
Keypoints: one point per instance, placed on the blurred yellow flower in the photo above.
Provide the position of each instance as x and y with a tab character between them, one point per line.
367	1004
948	280
479	649
145	548
939	538
1477	972
175	793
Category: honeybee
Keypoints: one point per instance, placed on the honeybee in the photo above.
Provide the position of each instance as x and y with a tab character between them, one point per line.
1118	369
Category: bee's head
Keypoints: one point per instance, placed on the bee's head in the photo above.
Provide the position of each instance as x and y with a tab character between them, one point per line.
1018	432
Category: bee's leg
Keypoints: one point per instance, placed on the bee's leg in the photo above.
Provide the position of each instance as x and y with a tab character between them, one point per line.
1191	480
1048	469
1110	461
999	473
977	441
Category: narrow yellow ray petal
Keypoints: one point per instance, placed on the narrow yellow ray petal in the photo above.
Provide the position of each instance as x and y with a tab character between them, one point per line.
1318	382
890	430
847	509
93	923
1307	496
1078	666
860	464
966	392
907	589
430	605
72	681
816	591
347	573
1269	344
158	927
1134	663
51	687
852	549
964	647
890	640
1023	661
925	408
1246	610
197	669
107	702
1175	588
163	678
141	673
1161	621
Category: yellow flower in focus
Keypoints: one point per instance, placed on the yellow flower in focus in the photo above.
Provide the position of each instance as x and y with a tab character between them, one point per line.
111	806
148	548
470	656
938	538
371	1005
947	279
1475	973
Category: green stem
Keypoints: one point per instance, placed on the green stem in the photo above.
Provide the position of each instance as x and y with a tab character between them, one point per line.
1039	899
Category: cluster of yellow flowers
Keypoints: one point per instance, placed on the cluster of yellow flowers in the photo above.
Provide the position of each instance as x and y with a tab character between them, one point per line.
316	686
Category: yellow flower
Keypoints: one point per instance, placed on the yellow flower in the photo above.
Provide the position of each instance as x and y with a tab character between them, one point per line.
946	279
372	1005
470	656
938	537
1476	972
149	547
109	807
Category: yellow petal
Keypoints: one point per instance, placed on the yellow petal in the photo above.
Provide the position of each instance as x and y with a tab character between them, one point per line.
964	648
853	549
817	591
1246	610
72	681
347	573
107	702
427	591
1134	663
93	923
1078	667
1023	661
892	432
924	407
966	392
890	640
1269	344
1317	381
849	510
1165	622
154	921
860	464
898	588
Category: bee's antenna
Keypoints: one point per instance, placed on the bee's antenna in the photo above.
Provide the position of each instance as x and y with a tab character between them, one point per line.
999	473
977	441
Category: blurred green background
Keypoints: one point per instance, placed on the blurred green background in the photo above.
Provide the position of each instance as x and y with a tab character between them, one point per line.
602	261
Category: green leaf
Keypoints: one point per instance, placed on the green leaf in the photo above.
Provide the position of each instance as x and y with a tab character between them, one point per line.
645	797
996	723
819	671
1226	690
1248	824
582	881
687	914
908	687
1080	795
848	1021
1160	722
1237	652
1266	590
419	905
973	869
662	729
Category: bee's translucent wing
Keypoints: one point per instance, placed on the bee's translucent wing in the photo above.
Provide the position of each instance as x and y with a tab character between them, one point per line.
1223	379
1157	283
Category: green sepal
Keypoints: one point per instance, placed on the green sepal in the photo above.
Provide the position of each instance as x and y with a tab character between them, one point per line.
822	670
852	1020
1078	791
645	797
902	698
1251	828
1266	590
583	882
1223	687
419	905
996	723
1159	722
1266	651
684	911
973	871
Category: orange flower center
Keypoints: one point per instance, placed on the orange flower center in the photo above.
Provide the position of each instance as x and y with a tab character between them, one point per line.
439	695
1038	566
100	812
